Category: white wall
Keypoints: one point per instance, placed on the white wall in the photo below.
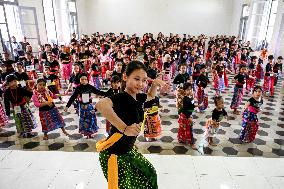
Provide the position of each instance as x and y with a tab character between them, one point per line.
277	42
194	17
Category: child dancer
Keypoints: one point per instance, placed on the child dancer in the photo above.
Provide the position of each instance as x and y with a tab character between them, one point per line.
236	59
213	123
277	69
166	74
268	84
122	165
105	61
115	89
88	121
53	64
49	115
250	122
252	69
95	73
117	70
259	70
66	65
29	65
183	76
52	82
23	116
185	105
3	73
152	121
22	77
202	82
152	73
74	81
238	89
219	82
196	73
215	78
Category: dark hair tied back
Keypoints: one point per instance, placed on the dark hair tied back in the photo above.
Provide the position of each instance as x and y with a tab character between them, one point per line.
134	65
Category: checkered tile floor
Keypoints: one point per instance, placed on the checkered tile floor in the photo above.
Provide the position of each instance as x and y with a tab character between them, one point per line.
269	141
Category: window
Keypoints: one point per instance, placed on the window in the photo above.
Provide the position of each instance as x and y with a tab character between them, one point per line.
50	21
61	19
271	21
262	21
9	24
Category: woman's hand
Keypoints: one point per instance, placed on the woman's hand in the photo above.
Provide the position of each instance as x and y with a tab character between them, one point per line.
159	82
133	130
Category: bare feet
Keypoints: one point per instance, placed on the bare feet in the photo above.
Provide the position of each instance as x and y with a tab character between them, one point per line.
212	143
65	132
45	137
236	112
193	147
90	136
150	139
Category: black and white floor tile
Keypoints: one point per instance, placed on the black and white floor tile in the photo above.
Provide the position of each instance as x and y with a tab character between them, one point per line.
269	141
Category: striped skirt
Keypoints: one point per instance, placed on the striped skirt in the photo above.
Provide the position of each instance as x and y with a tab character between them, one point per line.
51	120
134	170
25	121
221	84
88	120
237	97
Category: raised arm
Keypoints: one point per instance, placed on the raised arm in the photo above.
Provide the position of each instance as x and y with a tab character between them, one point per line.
72	98
105	106
98	92
153	89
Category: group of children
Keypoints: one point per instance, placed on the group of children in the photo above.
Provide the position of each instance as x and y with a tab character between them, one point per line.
91	64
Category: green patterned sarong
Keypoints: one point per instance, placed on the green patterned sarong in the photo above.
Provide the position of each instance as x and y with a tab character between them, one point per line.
134	170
